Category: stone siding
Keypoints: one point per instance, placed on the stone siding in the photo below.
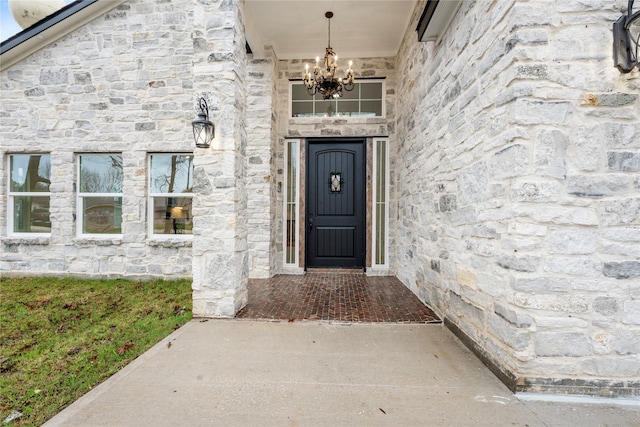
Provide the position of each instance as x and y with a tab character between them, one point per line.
518	190
127	82
220	255
260	186
122	83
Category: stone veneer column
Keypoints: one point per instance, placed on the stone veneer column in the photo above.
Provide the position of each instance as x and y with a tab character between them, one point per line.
260	132
220	262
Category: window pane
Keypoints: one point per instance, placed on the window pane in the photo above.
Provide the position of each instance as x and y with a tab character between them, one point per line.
299	92
171	173
302	109
172	215
326	108
100	173
31	214
102	215
30	173
371	108
381	238
352	94
371	91
346	108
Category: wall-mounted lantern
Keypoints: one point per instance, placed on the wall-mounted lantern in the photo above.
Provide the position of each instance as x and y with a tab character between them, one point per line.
626	40
203	129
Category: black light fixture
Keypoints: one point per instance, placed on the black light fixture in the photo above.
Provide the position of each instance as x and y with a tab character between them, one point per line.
626	40
203	129
326	82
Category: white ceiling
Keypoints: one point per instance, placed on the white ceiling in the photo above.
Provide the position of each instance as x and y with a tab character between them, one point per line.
297	29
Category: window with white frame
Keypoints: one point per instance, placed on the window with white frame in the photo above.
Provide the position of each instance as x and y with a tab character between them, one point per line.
29	196
100	194
291	205
380	203
365	100
171	193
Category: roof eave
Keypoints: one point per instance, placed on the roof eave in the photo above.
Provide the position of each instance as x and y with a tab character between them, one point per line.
50	29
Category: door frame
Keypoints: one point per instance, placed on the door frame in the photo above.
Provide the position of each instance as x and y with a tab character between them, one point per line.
365	217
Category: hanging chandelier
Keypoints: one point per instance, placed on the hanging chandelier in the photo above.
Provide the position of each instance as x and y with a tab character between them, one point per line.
324	80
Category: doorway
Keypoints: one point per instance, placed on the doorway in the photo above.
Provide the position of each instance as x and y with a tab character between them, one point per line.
335	203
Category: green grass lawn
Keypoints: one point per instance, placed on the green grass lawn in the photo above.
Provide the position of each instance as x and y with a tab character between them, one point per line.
59	337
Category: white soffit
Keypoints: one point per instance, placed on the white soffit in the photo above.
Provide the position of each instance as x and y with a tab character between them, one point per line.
297	29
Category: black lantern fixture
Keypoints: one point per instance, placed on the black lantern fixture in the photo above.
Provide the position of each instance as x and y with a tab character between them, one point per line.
626	40
324	80
203	129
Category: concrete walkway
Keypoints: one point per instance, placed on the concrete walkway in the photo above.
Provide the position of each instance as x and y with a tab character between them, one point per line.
256	373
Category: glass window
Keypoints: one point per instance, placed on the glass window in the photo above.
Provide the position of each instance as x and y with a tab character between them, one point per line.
365	100
100	193
370	91
381	206
302	109
291	205
171	193
29	180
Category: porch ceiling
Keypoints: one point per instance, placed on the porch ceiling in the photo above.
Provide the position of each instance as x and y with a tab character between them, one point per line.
297	29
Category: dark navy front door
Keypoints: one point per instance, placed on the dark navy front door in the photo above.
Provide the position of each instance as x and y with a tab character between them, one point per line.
335	208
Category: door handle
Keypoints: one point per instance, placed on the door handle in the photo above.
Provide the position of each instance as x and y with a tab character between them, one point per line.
310	223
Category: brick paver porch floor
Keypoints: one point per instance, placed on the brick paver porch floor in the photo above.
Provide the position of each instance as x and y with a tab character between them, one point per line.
348	296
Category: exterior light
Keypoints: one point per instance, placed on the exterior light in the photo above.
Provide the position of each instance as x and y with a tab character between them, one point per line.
203	129
626	40
324	80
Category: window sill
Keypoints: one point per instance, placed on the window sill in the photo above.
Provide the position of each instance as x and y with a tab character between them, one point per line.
93	241
170	242
26	240
337	120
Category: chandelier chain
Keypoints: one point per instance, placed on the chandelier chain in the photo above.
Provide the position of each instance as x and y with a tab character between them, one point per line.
329	41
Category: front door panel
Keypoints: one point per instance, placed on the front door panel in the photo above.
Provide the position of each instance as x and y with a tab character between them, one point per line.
335	204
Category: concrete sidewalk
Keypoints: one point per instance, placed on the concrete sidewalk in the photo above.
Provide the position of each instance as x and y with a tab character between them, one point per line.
252	373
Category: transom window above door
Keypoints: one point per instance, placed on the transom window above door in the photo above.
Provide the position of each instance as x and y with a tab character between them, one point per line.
365	100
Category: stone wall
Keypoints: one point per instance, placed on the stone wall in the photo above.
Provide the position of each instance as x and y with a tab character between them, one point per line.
301	128
261	135
519	191
122	83
220	254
